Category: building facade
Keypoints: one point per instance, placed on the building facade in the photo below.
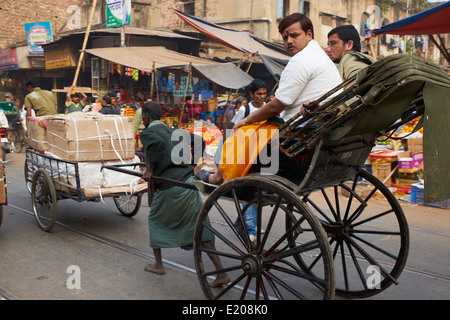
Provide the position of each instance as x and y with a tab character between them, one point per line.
261	17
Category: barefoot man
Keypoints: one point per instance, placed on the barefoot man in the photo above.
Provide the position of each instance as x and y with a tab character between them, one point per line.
174	210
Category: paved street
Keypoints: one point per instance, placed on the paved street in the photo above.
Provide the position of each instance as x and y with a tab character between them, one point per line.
111	251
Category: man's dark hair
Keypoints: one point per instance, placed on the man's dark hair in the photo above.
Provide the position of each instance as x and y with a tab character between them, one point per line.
33	82
153	109
347	33
107	99
256	85
305	22
240	99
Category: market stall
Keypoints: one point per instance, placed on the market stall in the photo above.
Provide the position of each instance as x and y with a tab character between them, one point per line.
423	150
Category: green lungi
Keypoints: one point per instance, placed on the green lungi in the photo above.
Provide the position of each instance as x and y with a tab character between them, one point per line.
173	216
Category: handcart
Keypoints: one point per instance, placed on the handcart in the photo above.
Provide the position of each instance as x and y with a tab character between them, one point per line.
49	179
325	226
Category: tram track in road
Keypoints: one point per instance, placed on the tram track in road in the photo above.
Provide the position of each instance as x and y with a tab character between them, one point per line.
407	269
191	272
123	247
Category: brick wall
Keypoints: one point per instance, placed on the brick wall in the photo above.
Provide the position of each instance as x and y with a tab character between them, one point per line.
14	13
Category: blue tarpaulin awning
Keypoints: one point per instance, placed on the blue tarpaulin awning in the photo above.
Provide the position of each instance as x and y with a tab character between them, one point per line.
433	21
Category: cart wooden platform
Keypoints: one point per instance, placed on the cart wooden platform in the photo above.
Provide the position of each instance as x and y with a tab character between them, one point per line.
50	180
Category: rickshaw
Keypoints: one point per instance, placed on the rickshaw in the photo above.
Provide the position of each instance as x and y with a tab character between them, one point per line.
325	225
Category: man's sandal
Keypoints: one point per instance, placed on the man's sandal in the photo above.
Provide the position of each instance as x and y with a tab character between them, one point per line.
204	175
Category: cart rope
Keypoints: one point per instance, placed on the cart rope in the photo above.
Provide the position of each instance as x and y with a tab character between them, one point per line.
76	137
107	134
100	194
114	147
99	139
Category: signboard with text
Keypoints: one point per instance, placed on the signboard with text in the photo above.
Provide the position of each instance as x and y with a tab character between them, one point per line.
8	59
38	34
118	13
57	56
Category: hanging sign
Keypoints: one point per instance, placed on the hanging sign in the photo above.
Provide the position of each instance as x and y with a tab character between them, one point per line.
38	34
118	13
8	59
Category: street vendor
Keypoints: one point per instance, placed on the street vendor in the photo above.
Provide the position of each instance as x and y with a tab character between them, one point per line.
308	75
73	101
174	210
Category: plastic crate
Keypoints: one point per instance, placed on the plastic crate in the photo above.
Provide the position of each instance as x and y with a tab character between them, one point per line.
417	197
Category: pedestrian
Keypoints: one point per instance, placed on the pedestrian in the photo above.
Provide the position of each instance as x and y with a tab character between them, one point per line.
73	101
174	210
138	124
107	107
309	75
258	93
90	105
43	102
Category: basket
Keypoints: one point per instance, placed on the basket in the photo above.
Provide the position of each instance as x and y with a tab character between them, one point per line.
417	197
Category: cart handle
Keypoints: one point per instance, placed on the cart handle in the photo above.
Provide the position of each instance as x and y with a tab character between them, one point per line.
120	168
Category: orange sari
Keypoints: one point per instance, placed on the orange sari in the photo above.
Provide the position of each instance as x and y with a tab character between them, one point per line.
240	151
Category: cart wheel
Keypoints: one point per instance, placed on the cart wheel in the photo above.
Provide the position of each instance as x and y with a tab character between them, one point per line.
128	205
44	201
368	234
263	268
28	174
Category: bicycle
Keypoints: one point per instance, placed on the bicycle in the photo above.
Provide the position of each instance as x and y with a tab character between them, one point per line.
17	135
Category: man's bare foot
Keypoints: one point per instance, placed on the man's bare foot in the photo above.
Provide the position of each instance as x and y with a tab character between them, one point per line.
220	281
155	269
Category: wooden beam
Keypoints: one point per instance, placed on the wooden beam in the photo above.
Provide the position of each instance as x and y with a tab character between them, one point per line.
75	89
86	38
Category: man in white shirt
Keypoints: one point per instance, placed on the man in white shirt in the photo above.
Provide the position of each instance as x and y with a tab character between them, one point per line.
258	92
309	74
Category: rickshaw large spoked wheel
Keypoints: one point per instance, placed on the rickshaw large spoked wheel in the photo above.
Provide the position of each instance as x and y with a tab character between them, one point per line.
261	266
44	200
128	205
368	234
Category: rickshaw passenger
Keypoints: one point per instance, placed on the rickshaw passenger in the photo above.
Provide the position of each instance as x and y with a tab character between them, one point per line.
174	210
344	48
308	75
